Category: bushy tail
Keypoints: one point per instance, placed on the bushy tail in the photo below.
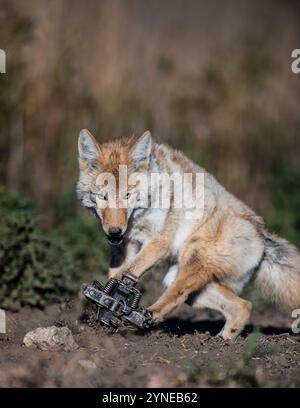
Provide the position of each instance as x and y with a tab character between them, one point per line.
278	276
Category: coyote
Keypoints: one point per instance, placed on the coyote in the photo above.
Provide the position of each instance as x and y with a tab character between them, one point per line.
210	258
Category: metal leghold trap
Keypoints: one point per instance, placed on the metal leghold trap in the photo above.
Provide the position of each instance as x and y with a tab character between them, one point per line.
118	302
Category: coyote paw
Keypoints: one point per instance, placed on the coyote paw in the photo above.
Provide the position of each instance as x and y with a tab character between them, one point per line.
230	333
156	316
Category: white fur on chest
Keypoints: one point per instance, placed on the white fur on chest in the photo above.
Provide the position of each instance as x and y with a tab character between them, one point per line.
170	276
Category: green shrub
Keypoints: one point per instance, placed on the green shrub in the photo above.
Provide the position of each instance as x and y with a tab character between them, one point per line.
34	270
284	217
81	235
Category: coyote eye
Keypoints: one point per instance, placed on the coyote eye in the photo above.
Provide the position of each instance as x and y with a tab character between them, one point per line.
127	196
103	196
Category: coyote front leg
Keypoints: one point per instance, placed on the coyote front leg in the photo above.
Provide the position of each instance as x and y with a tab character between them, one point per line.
131	251
151	254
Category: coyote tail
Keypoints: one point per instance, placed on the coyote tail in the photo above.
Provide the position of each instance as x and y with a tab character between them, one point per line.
278	276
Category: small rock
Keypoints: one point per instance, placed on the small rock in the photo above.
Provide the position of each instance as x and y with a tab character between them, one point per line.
51	339
87	364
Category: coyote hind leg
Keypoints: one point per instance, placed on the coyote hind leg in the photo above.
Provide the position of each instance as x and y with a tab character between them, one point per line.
235	310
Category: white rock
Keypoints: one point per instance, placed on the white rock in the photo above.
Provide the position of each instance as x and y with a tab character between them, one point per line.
51	339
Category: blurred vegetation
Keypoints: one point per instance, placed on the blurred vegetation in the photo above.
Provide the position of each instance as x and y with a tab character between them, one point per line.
34	269
284	216
82	237
37	268
230	102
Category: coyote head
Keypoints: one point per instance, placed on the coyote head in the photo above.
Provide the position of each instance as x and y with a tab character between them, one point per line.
104	184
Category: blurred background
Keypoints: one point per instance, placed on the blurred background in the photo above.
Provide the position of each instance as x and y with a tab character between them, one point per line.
209	77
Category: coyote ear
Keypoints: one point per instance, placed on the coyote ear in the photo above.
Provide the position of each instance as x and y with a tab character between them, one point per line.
88	148
141	149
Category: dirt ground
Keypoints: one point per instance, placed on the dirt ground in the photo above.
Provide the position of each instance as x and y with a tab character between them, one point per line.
181	352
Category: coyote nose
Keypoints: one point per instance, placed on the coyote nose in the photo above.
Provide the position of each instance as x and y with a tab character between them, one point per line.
115	236
115	232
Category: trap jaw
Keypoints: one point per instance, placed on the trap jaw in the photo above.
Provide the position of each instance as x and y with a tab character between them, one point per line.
118	302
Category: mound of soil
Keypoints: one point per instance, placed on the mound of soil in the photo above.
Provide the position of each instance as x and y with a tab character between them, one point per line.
183	351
